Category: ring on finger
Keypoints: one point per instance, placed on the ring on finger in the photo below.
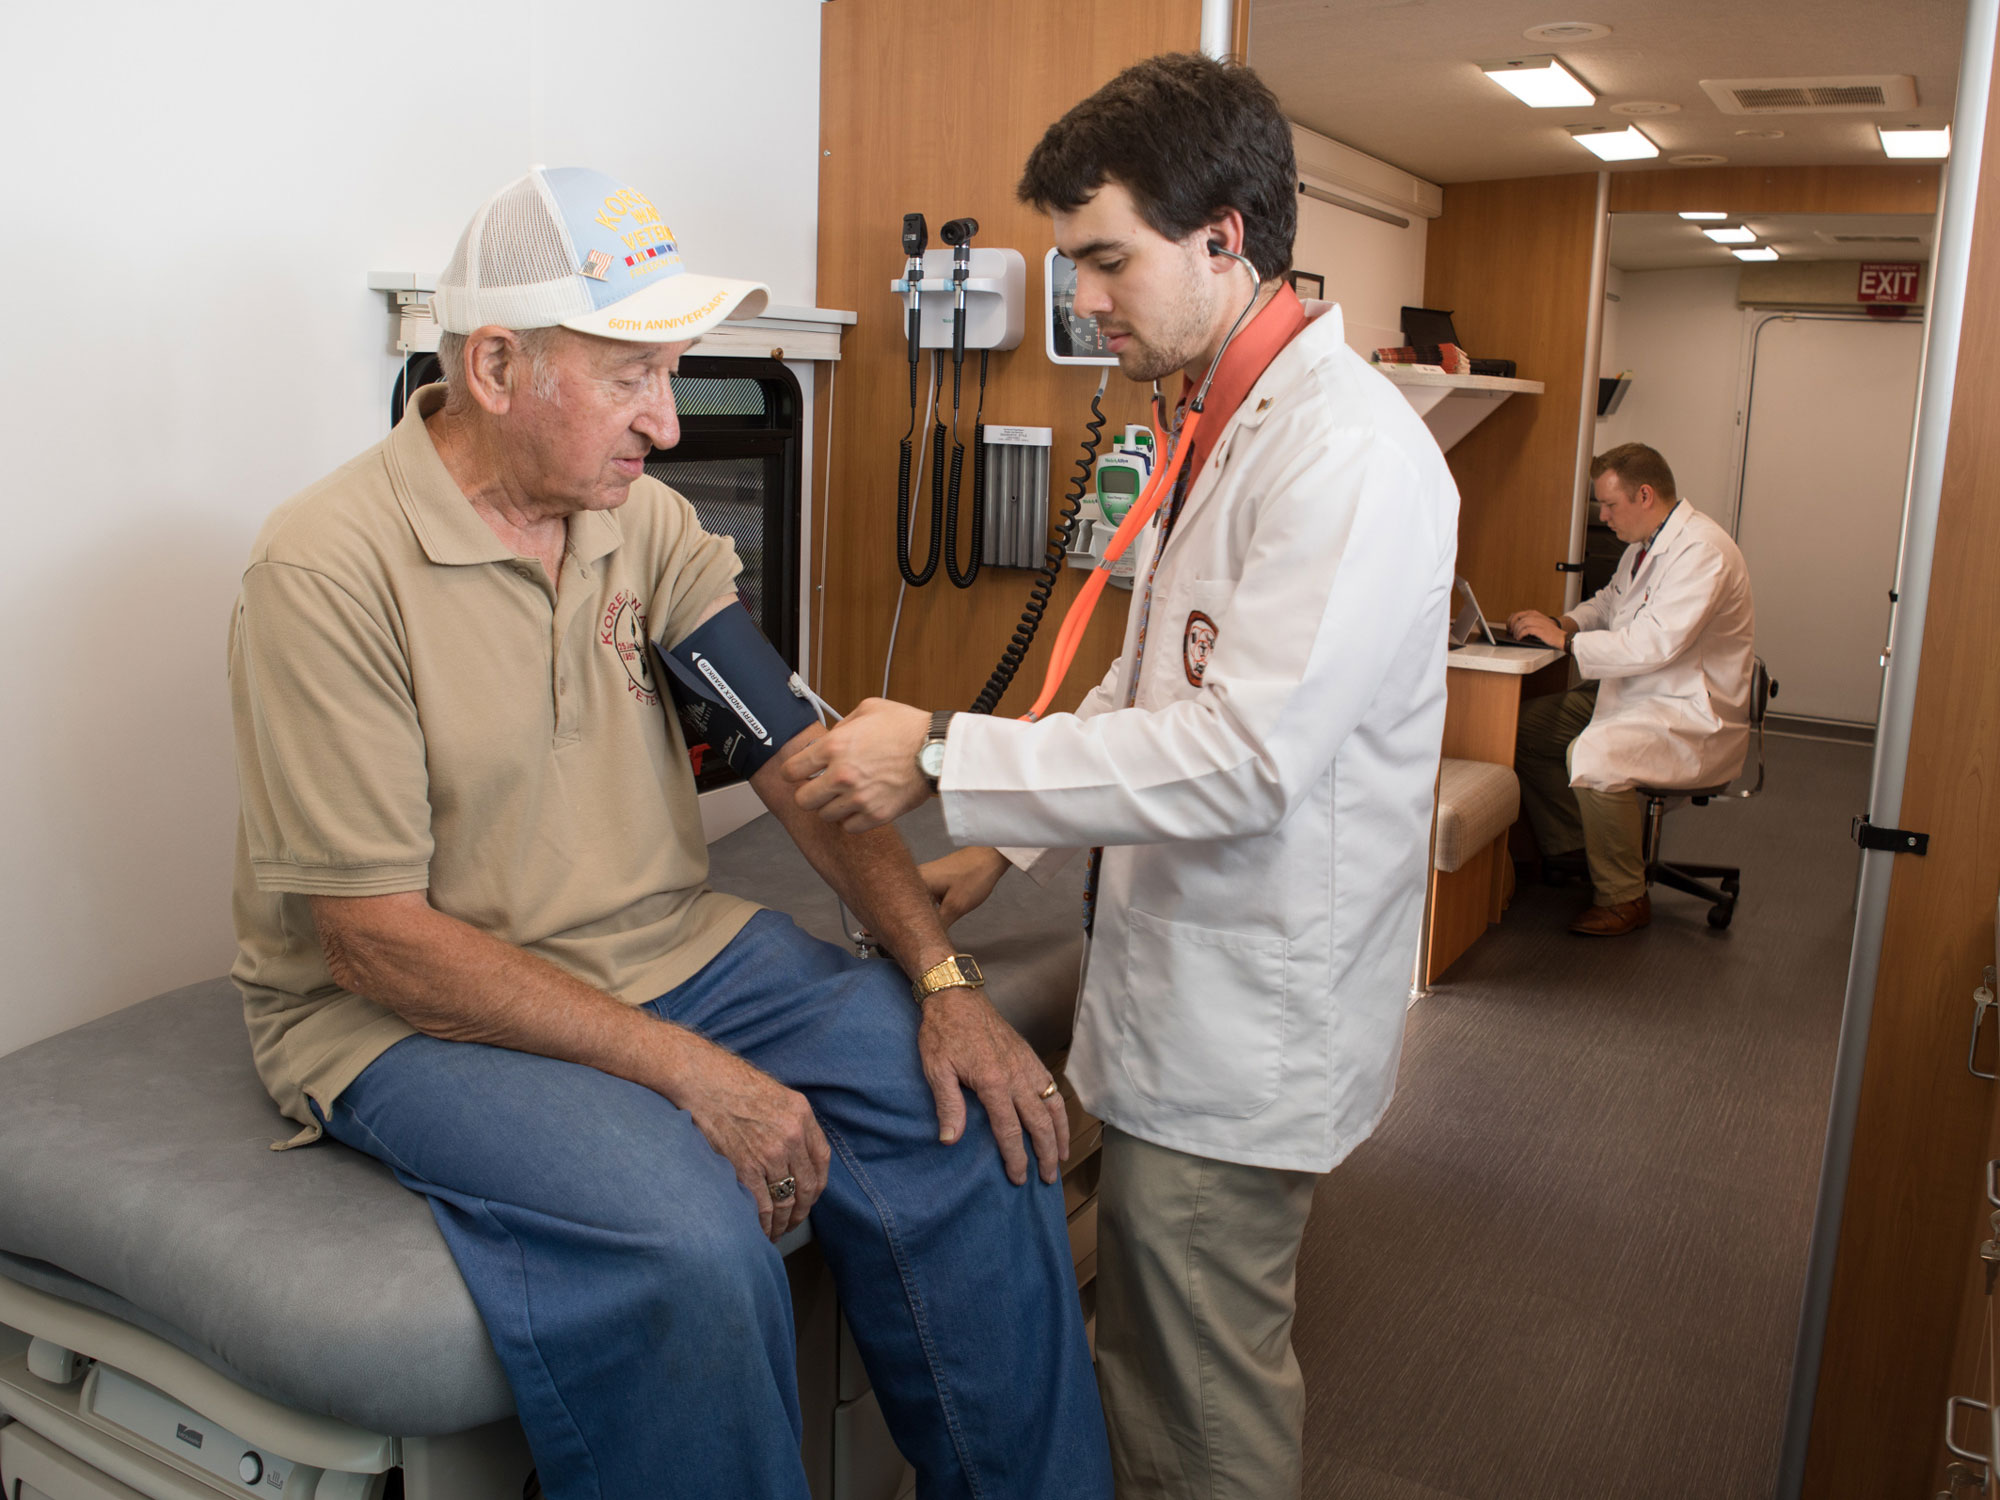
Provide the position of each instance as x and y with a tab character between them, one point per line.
784	1189
1049	1090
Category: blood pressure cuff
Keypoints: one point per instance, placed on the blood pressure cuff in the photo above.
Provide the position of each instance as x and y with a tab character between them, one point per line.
734	690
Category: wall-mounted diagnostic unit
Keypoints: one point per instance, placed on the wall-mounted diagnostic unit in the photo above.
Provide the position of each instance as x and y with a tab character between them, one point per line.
1119	479
1068	338
996	293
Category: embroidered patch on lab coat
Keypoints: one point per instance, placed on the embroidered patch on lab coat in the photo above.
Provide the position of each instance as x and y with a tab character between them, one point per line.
1197	640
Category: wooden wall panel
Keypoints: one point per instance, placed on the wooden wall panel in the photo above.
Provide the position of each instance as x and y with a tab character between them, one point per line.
1511	261
1914	1205
1900	188
934	108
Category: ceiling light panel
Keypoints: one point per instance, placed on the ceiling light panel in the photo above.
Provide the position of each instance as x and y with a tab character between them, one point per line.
1762	252
1628	144
1704	216
1541	82
1916	145
1736	234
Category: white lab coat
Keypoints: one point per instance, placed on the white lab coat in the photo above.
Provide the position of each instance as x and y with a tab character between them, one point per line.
1268	823
1672	648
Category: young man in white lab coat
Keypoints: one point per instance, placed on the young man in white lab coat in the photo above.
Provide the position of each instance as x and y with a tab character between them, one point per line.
1258	767
1666	654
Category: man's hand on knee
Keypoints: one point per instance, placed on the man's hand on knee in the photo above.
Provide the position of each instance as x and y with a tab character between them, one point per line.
765	1130
965	1041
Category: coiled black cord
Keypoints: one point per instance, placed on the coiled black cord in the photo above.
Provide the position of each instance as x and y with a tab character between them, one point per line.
911	576
978	527
1052	564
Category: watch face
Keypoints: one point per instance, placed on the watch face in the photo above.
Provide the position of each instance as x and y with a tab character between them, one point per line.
969	967
931	758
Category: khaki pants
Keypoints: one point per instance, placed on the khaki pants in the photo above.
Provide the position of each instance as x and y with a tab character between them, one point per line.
1195	1294
1608	826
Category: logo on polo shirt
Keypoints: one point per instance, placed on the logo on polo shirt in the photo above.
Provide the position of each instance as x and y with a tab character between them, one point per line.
623	629
1197	640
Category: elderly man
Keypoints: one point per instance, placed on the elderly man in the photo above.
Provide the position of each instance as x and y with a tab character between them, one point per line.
1666	654
476	941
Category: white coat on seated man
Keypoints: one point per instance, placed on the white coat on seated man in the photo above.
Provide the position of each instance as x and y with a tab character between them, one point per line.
1665	651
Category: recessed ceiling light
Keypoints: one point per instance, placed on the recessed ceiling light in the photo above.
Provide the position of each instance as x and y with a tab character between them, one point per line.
1614	145
1704	216
1646	107
1698	159
1541	82
1560	32
1762	252
1916	145
1735	234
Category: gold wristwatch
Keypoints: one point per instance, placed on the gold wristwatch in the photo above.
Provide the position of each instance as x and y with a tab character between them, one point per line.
961	970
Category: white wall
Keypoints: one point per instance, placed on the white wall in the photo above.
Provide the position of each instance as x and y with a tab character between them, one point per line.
1372	269
199	194
1680	333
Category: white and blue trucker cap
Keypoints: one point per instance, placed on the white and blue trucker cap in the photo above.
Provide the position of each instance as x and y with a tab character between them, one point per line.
569	247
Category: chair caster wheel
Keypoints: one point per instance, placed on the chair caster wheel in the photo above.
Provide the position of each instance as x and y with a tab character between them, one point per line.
1719	915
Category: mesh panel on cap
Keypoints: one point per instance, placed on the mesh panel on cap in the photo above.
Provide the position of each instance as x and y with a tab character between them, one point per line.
512	266
520	242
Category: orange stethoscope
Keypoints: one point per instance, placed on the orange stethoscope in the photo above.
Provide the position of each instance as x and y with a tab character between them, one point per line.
1070	635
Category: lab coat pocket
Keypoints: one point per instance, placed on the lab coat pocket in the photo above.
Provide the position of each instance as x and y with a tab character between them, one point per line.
1204	1016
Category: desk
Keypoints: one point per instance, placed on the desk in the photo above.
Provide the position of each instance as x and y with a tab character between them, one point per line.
1484	686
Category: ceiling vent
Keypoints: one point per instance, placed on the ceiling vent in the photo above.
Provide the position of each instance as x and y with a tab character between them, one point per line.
1867	239
1811	96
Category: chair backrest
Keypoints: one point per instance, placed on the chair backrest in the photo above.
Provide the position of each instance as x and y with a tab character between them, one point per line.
1763	688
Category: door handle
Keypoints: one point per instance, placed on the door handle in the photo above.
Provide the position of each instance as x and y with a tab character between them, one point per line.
1950	1418
1982	1002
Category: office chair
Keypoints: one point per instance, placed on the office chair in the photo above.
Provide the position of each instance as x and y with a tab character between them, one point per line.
1693	879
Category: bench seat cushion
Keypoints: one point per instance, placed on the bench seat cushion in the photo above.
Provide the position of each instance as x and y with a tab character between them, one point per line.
137	1177
1477	802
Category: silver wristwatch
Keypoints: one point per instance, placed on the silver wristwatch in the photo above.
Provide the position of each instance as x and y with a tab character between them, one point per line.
930	758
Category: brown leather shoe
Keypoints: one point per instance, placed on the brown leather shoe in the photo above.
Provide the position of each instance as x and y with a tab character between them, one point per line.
1614	921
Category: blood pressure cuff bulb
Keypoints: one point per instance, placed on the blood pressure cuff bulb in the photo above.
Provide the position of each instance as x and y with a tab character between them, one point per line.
734	690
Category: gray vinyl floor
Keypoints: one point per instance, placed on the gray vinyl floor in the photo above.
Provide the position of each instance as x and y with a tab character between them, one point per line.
1569	1263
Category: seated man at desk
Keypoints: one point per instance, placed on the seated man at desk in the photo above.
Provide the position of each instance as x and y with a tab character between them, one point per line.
476	939
1665	653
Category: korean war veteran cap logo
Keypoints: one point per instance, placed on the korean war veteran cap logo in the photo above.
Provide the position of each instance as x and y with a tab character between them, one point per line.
569	247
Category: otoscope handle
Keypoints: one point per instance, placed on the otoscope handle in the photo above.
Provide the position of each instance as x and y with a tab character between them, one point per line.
958	234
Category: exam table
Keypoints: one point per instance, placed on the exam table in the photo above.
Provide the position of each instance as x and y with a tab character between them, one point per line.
186	1313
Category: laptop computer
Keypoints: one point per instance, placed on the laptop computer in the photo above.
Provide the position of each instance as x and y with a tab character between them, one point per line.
1468	622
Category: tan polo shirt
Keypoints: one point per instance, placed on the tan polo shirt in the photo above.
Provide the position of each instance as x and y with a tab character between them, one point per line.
418	710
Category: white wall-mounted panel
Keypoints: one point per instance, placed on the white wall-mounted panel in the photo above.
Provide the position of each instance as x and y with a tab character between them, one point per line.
1824	475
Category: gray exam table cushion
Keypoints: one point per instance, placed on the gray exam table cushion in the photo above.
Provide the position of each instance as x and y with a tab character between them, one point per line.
137	1177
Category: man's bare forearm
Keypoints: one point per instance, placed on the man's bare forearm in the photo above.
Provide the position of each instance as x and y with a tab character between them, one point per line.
872	872
452	981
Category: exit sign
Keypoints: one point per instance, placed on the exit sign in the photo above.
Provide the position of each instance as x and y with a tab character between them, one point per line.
1888	281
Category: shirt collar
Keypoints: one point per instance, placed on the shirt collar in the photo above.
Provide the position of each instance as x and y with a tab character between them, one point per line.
1263	338
1654	535
447	527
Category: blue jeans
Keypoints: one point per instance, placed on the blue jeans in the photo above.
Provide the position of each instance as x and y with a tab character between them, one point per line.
643	1318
